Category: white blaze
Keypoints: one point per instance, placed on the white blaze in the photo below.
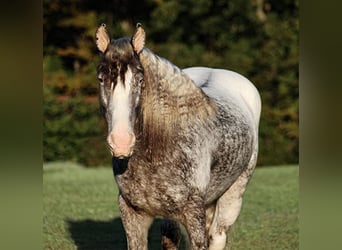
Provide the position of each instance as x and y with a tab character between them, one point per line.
121	104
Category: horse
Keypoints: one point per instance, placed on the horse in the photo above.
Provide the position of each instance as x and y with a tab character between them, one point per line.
184	143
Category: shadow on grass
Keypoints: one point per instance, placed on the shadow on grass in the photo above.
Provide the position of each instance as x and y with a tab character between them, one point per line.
102	235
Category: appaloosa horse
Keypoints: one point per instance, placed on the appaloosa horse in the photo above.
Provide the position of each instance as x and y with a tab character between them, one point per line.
184	142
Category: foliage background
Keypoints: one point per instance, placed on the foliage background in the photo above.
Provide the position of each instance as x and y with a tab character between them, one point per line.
256	38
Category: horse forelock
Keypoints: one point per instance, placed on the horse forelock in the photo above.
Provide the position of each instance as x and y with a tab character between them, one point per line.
120	49
116	59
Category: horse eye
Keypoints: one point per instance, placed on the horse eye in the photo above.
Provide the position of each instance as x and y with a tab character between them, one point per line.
100	79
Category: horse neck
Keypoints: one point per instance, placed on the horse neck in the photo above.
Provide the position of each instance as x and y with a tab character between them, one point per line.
171	102
170	87
164	76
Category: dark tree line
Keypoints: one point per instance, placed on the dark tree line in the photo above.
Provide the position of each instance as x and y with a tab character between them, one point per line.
257	38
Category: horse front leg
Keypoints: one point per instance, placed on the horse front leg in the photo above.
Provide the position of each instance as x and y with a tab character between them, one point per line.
136	224
195	224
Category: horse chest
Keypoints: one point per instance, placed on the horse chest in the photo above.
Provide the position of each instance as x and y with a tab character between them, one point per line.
152	192
134	188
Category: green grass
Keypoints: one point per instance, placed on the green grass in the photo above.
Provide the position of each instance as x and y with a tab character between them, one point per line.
80	210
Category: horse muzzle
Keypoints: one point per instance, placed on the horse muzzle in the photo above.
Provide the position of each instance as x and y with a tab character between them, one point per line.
121	144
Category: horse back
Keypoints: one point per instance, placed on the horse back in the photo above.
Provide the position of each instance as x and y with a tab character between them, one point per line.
222	85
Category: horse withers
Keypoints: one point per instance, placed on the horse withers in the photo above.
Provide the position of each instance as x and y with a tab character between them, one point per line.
184	142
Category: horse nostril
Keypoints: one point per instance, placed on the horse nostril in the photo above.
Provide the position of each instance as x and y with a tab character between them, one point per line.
110	141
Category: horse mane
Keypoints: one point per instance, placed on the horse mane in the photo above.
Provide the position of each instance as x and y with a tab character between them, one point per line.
170	103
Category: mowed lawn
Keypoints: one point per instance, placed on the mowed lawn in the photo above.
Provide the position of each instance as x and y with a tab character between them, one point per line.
80	210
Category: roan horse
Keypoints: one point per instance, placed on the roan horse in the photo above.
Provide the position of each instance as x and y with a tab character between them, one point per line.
184	142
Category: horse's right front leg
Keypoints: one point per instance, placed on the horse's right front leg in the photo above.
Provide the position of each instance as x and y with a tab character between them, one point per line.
136	224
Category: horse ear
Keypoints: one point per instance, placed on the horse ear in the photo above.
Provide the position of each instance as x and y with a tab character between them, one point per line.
102	38
138	39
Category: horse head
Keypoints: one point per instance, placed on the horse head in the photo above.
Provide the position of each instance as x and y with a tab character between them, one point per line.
120	76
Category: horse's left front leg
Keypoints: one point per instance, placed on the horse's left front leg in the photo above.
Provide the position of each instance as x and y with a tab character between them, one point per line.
195	224
136	224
